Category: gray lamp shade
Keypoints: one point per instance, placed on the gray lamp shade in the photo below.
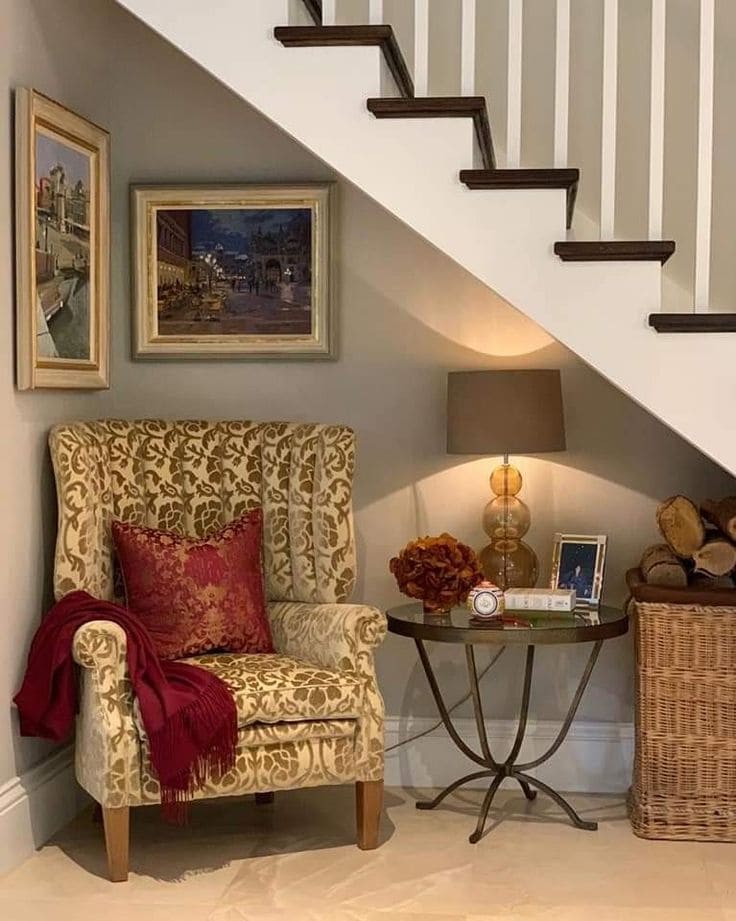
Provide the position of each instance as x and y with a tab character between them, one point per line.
504	412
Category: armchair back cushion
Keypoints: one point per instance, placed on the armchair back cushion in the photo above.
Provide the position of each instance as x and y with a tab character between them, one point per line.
191	477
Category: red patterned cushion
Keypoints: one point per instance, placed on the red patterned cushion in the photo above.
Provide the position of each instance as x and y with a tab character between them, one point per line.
195	596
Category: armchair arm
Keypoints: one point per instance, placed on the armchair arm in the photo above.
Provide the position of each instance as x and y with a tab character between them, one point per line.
107	743
340	636
102	645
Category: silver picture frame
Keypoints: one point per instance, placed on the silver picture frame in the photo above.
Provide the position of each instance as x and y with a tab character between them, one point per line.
578	561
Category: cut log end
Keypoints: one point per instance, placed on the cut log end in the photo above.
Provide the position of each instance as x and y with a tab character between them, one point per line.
715	558
722	514
681	526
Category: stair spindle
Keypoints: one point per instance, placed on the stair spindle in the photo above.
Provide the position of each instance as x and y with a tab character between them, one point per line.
656	119
609	117
375	12
329	12
513	89
421	47
705	156
562	82
467	48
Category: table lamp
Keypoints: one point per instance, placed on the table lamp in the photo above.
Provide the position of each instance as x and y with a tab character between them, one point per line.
505	412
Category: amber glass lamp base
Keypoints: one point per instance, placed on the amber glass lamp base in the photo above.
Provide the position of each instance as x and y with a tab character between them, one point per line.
507	560
512	566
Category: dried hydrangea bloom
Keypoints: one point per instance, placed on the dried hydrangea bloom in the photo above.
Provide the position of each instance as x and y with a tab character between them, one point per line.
438	570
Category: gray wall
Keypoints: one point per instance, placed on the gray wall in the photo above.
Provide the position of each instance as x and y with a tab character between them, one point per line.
408	315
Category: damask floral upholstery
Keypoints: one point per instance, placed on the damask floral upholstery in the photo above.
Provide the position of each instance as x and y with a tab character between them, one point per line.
310	714
271	688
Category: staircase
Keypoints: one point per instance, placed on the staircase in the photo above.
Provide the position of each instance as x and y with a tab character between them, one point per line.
347	94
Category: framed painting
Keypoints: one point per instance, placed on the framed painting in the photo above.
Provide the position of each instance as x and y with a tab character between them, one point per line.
62	246
233	271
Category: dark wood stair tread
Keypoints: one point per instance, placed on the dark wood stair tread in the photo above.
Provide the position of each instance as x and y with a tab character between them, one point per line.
490	178
615	250
381	35
693	322
526	179
442	107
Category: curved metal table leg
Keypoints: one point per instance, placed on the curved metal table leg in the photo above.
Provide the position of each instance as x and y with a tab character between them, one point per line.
444	714
480	722
565	728
524	713
561	801
509	768
453	786
487	800
530	794
523	718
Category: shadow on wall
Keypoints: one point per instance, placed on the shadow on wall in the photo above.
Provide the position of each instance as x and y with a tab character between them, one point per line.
403	443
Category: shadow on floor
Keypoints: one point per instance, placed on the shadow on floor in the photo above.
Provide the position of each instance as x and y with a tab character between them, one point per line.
518	809
221	831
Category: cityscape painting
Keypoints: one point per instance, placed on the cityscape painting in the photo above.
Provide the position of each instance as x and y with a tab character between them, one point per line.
62	222
232	272
62	246
238	271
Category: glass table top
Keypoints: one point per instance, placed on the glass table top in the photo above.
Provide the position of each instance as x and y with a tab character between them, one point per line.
584	625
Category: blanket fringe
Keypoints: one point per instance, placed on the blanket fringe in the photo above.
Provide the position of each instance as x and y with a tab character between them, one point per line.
212	714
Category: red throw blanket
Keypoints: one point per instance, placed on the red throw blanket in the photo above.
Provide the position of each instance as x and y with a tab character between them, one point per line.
188	713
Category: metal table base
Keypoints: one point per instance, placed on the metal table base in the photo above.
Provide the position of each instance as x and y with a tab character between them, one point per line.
498	770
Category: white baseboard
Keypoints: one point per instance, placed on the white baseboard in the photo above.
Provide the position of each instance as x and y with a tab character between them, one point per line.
594	758
35	805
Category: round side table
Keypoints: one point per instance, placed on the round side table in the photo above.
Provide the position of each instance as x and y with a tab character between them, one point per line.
518	628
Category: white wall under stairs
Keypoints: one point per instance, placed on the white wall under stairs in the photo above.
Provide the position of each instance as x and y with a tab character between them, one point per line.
505	238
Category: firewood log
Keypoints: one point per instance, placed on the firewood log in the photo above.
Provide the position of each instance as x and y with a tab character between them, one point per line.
722	514
715	558
660	566
681	526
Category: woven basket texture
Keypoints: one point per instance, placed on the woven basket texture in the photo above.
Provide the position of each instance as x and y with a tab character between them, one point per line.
685	722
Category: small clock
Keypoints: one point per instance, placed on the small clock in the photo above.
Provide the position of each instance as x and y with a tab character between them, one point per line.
486	600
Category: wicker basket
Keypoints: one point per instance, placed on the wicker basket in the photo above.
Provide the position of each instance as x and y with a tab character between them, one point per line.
685	764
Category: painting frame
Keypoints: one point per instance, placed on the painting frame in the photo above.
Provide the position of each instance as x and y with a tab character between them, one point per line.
74	277
148	343
600	543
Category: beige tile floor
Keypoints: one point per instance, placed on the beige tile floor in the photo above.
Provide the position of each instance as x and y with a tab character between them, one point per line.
295	861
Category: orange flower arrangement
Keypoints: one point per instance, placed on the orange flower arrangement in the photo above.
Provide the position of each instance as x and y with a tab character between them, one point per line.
439	570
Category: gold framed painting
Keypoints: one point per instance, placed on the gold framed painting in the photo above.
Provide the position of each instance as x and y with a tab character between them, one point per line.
62	176
242	271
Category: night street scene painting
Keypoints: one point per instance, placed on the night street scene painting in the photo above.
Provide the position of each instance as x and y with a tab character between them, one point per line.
577	568
62	250
234	271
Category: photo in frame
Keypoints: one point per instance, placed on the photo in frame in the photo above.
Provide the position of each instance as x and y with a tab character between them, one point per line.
239	271
578	562
62	180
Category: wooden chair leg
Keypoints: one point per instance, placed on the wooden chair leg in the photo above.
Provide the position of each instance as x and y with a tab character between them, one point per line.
264	799
368	806
117	838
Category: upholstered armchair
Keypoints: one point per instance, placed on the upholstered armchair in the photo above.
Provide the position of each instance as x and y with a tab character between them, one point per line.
309	714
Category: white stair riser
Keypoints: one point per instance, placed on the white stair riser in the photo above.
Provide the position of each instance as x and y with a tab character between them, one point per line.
505	238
